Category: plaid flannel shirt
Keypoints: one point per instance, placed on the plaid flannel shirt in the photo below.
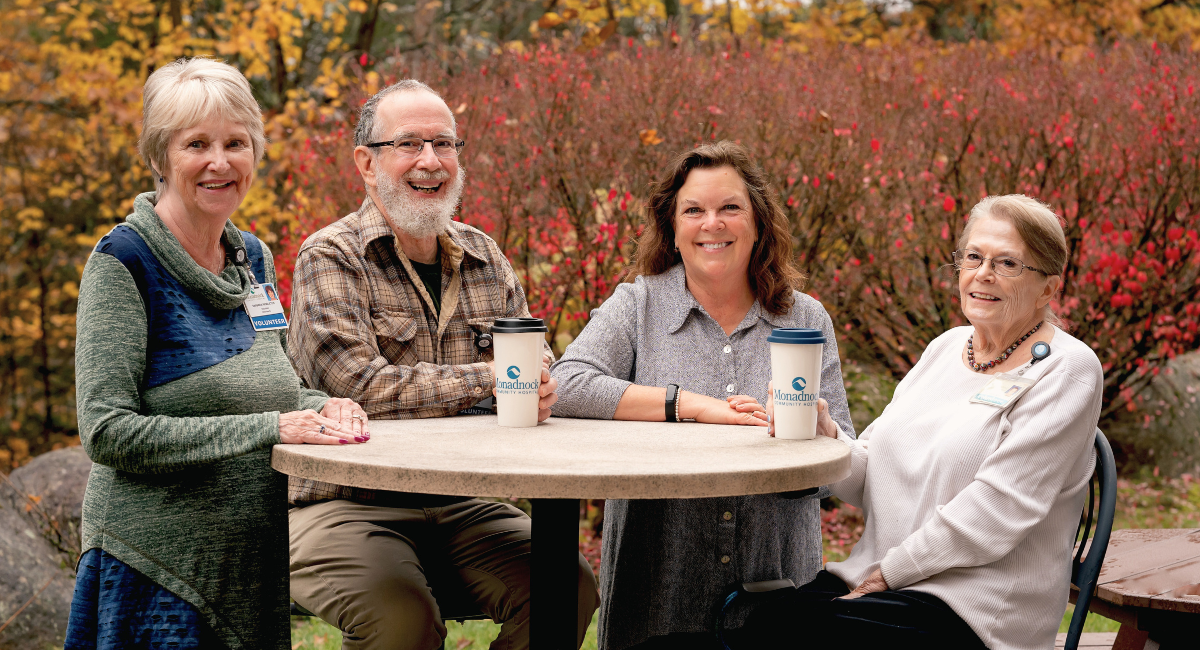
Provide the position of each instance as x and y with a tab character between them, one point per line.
364	327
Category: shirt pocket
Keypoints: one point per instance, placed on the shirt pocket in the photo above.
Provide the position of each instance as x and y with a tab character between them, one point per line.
396	336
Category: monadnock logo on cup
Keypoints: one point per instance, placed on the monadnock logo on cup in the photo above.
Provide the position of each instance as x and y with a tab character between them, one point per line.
799	397
514	373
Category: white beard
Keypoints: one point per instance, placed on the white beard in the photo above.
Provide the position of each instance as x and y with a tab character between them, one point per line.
419	218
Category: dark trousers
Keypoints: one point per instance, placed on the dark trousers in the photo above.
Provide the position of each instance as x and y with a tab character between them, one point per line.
680	641
811	617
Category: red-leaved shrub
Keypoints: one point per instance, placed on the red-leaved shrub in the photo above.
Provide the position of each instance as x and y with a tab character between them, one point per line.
878	155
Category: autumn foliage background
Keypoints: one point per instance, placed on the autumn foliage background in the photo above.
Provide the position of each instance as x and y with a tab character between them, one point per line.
880	126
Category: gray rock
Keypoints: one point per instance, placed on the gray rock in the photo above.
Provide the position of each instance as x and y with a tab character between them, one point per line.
39	543
57	480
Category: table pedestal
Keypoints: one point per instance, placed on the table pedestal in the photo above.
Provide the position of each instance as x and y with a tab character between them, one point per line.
554	574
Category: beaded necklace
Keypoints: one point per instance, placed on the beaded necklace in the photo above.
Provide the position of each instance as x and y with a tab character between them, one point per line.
980	367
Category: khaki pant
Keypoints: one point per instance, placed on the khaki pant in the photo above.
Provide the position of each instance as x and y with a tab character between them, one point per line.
387	576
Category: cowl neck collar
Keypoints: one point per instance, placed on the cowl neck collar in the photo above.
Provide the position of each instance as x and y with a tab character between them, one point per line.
225	291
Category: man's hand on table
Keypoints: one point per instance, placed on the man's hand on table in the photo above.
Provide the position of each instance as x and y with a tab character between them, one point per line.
547	391
825	425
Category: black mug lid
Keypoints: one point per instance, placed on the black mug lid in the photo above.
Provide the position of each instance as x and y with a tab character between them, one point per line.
518	325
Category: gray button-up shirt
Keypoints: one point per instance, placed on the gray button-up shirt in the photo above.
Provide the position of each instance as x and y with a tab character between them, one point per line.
664	562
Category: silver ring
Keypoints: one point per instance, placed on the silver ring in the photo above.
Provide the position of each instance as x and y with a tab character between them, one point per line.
322	429
357	417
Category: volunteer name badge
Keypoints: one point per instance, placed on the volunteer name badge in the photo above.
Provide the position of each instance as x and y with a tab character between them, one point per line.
264	308
1002	390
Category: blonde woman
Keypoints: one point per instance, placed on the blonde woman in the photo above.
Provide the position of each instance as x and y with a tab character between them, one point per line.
181	398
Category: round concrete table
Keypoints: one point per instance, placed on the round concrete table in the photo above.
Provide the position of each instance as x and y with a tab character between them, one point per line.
561	461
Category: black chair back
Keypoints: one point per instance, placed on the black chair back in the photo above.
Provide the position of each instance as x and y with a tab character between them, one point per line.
1085	568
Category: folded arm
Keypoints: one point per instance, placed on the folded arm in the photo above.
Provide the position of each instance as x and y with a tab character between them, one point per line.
333	343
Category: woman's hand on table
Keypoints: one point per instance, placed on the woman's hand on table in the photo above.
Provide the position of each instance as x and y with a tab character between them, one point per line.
825	425
341	421
736	409
872	584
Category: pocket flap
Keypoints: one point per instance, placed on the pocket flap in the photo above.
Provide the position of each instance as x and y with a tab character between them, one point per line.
395	325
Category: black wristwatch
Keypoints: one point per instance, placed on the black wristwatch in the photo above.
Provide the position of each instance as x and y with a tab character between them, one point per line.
672	402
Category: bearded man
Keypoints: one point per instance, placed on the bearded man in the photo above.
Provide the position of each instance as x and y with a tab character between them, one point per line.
389	307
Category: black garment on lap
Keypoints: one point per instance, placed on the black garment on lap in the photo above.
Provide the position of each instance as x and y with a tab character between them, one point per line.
811	616
680	641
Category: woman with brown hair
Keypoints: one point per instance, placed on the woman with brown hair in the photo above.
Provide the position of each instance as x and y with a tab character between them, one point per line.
687	339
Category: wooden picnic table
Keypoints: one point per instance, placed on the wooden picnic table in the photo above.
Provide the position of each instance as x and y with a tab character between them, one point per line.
1150	583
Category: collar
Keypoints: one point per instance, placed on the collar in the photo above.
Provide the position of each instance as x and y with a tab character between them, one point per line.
678	312
373	225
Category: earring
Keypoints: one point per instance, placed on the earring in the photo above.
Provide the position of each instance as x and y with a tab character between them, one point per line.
161	179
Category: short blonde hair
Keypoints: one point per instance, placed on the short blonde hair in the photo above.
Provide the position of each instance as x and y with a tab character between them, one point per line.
182	94
1038	227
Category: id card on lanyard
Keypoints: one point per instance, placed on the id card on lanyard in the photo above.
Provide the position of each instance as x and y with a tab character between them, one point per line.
262	305
264	308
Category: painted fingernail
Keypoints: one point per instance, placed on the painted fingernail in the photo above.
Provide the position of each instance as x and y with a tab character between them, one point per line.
359	439
343	441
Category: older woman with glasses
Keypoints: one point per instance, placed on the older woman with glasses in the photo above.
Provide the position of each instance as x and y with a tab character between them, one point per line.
184	386
973	477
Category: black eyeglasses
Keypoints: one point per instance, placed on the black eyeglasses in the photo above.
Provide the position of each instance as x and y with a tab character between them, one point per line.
1009	267
412	147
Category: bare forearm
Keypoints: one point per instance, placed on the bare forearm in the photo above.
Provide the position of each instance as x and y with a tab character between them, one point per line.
648	404
642	403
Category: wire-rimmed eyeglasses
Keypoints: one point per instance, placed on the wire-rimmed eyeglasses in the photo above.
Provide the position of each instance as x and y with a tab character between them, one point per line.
1009	267
412	147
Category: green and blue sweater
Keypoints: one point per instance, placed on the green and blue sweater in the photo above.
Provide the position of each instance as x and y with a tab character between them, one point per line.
179	402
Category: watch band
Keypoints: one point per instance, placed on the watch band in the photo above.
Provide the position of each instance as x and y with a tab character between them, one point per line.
672	405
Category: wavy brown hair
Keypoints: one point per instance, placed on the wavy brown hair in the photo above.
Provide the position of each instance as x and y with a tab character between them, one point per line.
774	273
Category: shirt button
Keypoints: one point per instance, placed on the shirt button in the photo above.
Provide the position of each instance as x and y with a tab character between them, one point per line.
478	390
729	388
728	349
724	559
727	516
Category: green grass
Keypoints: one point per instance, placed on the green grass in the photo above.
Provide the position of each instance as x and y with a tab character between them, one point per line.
315	634
1094	623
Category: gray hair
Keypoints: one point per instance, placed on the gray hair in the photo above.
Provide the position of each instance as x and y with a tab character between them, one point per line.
366	131
1038	227
184	93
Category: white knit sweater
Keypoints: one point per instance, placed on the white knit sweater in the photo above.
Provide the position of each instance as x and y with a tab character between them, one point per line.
975	504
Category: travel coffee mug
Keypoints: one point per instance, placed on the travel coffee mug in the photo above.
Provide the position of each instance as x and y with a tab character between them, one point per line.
796	380
517	345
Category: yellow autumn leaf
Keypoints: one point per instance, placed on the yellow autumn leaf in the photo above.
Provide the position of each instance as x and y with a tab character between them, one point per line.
649	137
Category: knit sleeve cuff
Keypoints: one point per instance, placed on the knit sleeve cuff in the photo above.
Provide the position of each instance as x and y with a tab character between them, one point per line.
900	569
